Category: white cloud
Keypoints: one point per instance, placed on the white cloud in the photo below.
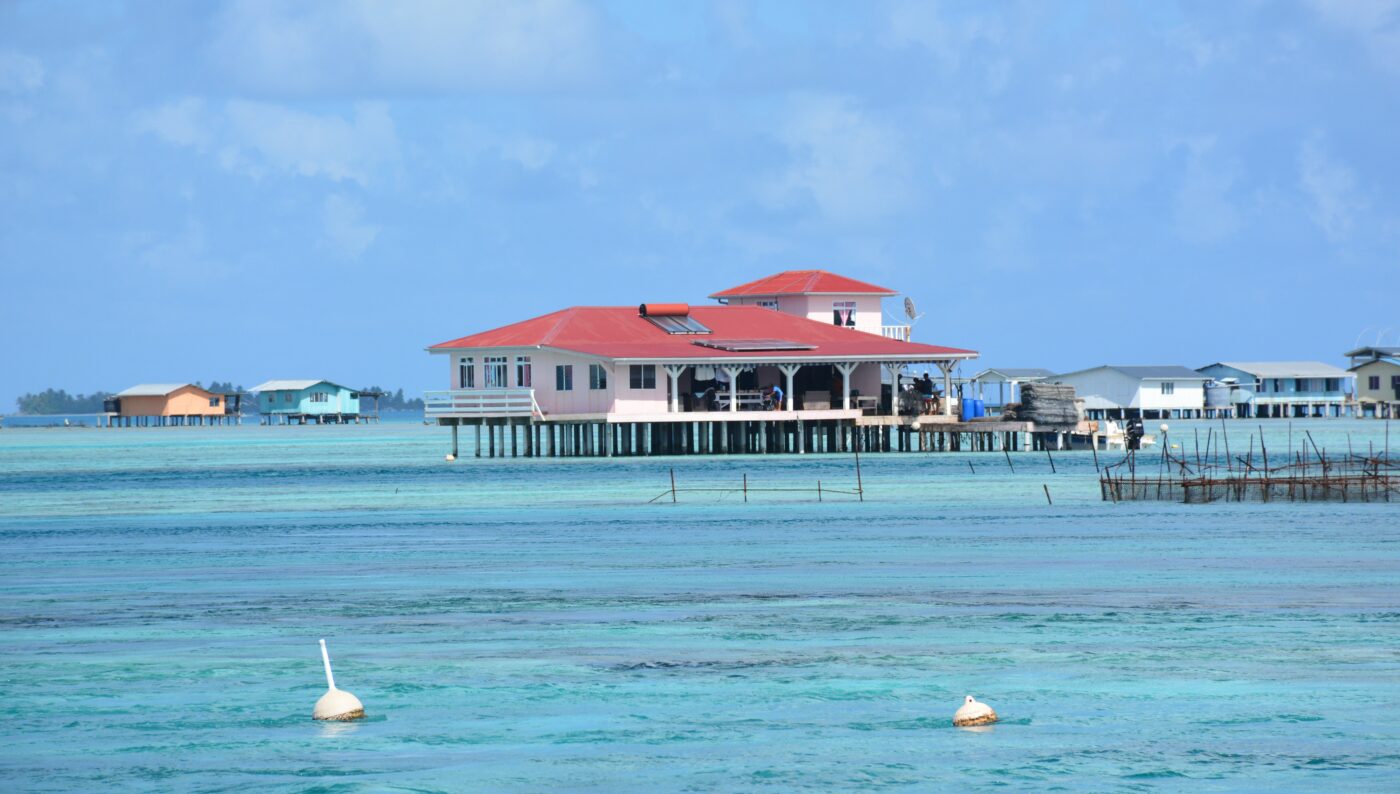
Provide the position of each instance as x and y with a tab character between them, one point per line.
345	230
1331	187
19	73
925	25
308	144
530	153
408	45
183	122
1204	210
853	167
184	256
1376	23
257	138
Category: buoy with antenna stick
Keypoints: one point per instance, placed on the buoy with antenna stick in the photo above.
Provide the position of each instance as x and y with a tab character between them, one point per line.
336	705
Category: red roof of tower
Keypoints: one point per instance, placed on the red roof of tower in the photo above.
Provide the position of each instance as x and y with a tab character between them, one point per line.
621	332
798	282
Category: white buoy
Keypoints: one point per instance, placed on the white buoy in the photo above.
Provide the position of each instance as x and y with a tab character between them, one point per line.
337	704
451	458
974	713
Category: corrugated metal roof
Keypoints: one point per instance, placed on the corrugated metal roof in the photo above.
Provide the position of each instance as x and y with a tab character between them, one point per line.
152	389
1286	369
1377	352
1015	372
1160	372
291	385
619	332
1151	372
798	282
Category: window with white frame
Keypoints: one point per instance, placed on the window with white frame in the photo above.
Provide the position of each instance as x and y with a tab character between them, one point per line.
466	373
1168	387
1302	384
642	376
597	377
768	304
494	371
564	377
843	313
523	378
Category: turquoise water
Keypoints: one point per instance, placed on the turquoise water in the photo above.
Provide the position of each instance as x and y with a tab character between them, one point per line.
529	625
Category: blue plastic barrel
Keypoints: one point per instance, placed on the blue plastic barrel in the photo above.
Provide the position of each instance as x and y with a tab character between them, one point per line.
979	408
965	409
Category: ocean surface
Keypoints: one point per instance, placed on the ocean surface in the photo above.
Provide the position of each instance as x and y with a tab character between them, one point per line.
527	625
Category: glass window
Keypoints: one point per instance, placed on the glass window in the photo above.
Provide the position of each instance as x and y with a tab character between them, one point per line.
286	396
772	304
843	313
1395	381
213	402
1259	384
1168	387
1278	384
522	372
494	372
564	377
1373	382
597	376
466	374
1301	384
1333	384
643	376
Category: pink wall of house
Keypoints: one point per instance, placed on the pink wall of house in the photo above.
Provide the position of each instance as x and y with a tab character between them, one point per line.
819	307
618	397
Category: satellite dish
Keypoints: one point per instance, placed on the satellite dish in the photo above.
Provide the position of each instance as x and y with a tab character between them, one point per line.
909	308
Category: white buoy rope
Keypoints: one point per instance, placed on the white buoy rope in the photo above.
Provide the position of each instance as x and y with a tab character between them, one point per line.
974	713
336	705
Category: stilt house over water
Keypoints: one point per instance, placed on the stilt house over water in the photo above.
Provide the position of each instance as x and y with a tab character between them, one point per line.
303	401
679	378
1377	371
167	404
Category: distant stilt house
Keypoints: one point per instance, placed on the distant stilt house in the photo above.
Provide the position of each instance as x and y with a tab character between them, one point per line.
311	401
1151	392
1278	389
800	361
1377	371
170	404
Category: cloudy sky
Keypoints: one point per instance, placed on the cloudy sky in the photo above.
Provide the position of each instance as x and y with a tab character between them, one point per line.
251	190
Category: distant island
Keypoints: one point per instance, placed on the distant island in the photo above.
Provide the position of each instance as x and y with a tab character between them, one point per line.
58	401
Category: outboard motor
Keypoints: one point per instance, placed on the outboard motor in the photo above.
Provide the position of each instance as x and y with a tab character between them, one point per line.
1133	432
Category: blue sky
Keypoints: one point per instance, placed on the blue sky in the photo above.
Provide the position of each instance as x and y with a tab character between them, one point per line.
259	190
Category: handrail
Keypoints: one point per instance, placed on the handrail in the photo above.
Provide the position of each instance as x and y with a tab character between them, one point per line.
900	332
481	402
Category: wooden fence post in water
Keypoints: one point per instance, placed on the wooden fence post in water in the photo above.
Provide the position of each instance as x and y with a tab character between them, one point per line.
1047	493
673	485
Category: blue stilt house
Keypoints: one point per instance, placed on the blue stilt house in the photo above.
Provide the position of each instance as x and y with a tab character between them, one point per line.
303	401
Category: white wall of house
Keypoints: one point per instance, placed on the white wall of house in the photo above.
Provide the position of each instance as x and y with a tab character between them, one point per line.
1185	395
1109	388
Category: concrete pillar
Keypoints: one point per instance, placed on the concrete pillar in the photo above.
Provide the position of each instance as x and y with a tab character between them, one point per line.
846	369
673	374
733	373
788	370
947	368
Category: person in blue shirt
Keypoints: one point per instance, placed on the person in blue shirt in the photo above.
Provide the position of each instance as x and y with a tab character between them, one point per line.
776	397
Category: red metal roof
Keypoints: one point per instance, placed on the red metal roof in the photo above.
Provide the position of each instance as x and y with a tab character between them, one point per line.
621	332
798	282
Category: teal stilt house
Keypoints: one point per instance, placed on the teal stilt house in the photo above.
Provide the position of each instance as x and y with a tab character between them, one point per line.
308	401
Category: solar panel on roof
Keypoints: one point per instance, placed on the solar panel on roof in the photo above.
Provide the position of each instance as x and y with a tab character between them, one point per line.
677	324
751	345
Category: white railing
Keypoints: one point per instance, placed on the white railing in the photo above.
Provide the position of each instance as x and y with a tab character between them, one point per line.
900	332
480	403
